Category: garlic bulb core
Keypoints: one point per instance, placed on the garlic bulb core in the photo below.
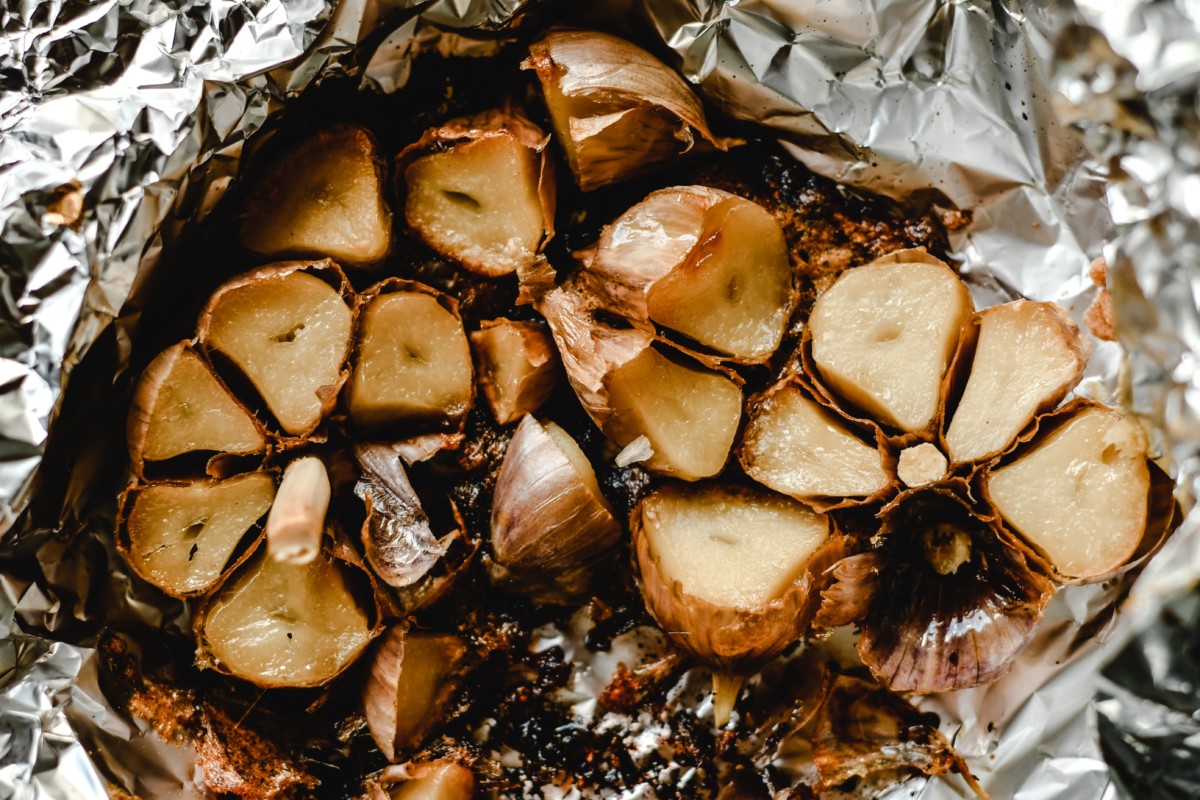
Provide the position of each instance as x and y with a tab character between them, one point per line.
921	465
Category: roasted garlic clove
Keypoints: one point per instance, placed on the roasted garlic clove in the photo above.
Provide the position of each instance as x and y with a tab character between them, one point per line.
883	335
435	780
1080	494
551	524
1026	358
481	191
412	679
180	407
618	112
279	624
321	198
517	365
413	363
725	572
296	523
702	262
182	536
288	331
796	446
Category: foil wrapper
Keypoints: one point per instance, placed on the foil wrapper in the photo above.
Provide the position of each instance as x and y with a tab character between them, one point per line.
1067	132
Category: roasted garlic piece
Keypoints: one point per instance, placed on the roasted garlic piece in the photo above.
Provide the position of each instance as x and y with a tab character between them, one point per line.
321	198
517	365
433	780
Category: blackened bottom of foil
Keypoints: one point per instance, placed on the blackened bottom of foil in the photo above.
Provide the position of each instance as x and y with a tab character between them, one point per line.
1146	708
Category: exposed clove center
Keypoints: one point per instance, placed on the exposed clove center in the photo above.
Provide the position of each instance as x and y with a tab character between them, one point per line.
947	548
921	465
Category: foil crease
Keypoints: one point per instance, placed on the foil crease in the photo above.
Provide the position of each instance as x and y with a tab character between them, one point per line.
1065	131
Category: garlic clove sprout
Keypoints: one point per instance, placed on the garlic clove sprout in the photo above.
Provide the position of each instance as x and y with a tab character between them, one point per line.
883	336
278	624
798	447
618	112
322	197
413	362
180	407
517	365
702	262
412	678
1027	357
182	536
288	331
551	524
1080	494
481	191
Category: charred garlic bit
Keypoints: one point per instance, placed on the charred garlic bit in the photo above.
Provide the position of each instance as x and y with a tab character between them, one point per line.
551	524
481	191
618	112
278	624
323	197
180	407
412	679
182	536
288	330
413	363
702	262
724	571
434	780
517	365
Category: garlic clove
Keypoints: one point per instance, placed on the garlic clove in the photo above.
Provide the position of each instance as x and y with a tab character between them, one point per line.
883	335
412	679
278	624
413	362
702	262
483	192
551	524
180	407
323	197
436	780
182	536
288	331
1027	357
296	523
618	112
797	447
517	365
1080	494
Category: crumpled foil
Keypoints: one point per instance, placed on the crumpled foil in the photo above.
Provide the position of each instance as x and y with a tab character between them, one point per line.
1068	132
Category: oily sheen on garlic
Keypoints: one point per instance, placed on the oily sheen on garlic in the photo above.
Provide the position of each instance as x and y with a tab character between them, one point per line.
1081	494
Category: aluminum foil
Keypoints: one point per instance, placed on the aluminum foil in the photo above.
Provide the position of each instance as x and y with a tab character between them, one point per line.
1065	131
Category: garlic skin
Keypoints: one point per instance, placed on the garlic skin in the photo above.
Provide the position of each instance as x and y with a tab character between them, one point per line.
618	112
551	525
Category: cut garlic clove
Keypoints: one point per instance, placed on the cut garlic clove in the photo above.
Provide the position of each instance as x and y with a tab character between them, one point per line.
798	447
518	367
412	678
618	112
277	624
288	331
438	780
180	407
413	363
1080	495
181	536
1027	357
551	524
883	336
323	197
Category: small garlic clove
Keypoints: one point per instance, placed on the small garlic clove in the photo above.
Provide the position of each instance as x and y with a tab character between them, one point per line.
1080	493
182	536
551	525
518	367
481	191
181	407
296	522
883	336
435	780
618	112
288	330
322	197
1025	358
412	678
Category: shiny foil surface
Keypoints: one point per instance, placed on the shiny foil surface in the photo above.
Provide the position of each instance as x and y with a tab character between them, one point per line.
1068	132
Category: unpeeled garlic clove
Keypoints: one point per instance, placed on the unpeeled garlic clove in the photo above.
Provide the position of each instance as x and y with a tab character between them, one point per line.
551	524
618	112
518	367
434	780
